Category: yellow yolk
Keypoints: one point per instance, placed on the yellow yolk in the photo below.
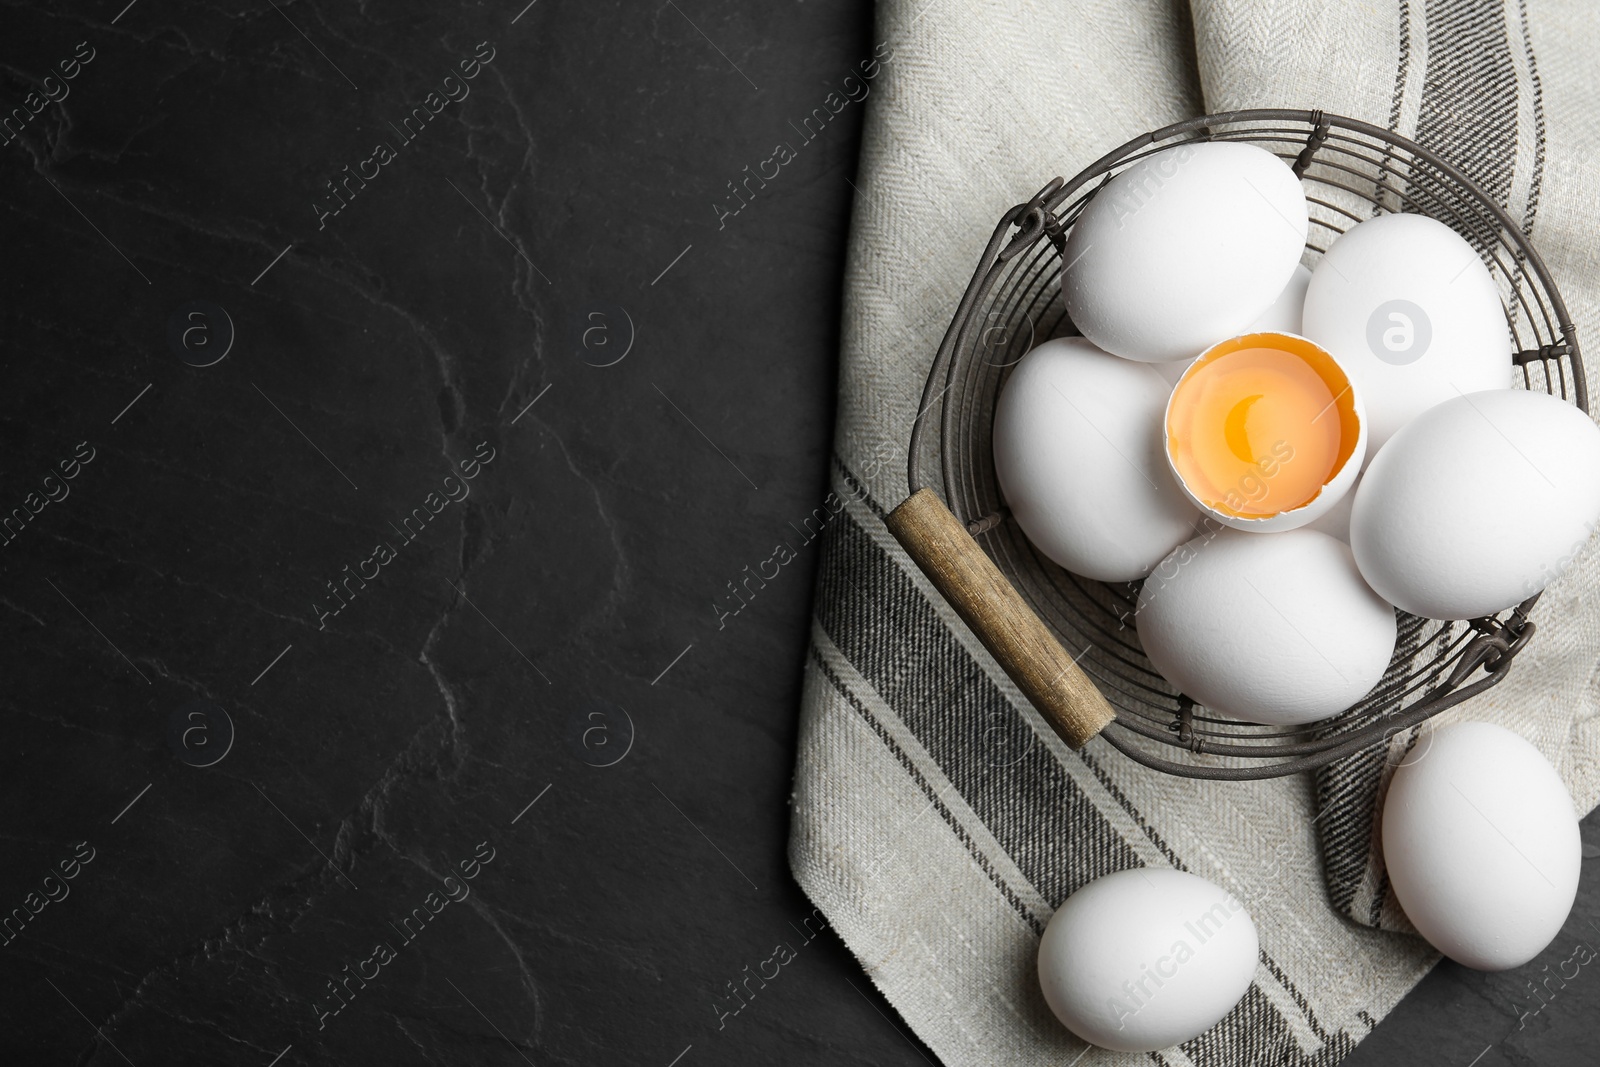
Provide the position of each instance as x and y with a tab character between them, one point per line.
1259	424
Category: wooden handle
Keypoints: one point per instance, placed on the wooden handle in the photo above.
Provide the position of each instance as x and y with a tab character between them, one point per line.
1008	628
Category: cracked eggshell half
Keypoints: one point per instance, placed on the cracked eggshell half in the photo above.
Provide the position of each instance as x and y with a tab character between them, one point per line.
1265	432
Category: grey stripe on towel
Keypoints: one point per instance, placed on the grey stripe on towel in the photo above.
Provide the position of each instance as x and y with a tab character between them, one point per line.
1049	828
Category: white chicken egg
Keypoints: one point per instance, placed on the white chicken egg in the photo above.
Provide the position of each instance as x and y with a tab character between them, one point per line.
1079	452
1282	317
1285	314
1143	959
1183	249
1265	432
1478	503
1482	845
1273	628
1408	308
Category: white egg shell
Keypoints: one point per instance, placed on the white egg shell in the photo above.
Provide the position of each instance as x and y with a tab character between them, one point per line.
1334	491
1274	628
1478	503
1482	845
1411	313
1285	314
1079	451
1184	248
1282	317
1140	960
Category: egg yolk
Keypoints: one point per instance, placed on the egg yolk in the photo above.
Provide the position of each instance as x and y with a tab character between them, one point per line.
1259	424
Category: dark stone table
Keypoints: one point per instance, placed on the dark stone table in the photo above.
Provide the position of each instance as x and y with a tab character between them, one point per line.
392	394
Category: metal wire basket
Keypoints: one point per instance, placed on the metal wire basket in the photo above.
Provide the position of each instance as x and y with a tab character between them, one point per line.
1017	600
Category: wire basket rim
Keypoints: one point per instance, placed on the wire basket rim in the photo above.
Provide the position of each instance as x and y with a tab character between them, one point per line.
1489	643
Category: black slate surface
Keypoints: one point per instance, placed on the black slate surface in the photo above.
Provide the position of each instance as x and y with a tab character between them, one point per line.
364	588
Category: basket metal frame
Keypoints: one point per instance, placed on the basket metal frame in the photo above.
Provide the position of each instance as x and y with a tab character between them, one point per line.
1208	746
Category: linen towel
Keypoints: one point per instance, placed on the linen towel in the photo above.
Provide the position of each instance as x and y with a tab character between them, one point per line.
937	820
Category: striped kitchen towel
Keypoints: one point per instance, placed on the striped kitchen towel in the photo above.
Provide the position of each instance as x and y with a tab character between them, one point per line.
937	820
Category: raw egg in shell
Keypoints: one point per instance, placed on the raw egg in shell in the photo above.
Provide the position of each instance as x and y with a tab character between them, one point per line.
1265	432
